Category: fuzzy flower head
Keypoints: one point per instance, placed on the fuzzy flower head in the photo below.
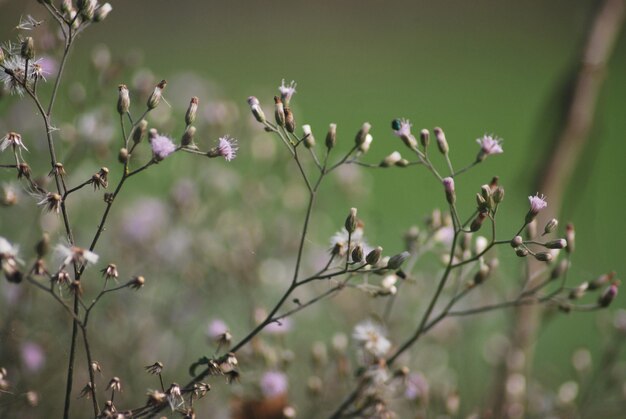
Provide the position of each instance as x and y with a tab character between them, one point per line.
162	146
287	91
370	337
537	203
489	145
226	147
402	129
339	241
273	384
7	250
14	74
75	254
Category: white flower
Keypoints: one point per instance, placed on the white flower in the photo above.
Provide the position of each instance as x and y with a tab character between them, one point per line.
7	250
75	254
370	337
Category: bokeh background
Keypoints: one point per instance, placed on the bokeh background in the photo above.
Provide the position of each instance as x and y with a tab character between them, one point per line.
470	67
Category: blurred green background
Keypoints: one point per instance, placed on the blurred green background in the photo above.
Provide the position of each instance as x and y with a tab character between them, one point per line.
470	67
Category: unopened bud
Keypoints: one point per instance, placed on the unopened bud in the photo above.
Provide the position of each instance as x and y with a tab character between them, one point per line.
43	246
140	131
543	256
608	296
570	236
279	111
123	99
485	192
442	144
357	254
365	146
391	159
550	226
373	257
187	139
483	206
190	115
28	48
397	260
137	282
579	291
448	184
482	274
290	122
362	134
350	223
601	281
157	93
309	140
517	242
102	12
498	195
521	252
255	107
425	138
87	8
477	223
122	156
331	136
556	244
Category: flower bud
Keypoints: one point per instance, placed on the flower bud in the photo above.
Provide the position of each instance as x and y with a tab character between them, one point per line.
331	136
521	252
482	274
397	260
122	156
550	226
373	257
365	145
190	115
28	48
255	107
517	242
309	140
43	246
477	223
140	131
87	8
448	184
498	195
357	254
137	282
570	236
350	223
579	291
279	111
102	12
391	159
442	144
556	244
485	192
483	206
543	256
157	93
290	122
608	296
187	139
601	281
425	138
362	134
123	99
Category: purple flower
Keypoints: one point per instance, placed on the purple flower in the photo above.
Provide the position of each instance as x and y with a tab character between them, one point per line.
274	384
227	148
162	146
286	91
33	356
537	203
489	145
217	328
402	127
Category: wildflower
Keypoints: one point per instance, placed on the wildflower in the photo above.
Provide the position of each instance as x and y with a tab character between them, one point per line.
100	179
190	115
273	384
331	136
255	107
12	139
373	256
33	356
425	138
488	145
110	272
290	122
157	93
226	147
137	282
351	221
397	260
155	368
550	226
537	203
287	91
608	296
402	129
51	202
370	337
76	255
279	111
123	99
162	146
58	170
448	184
309	140
442	144
218	331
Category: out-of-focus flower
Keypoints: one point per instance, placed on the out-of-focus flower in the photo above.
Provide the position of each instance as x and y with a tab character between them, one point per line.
276	328
274	384
33	356
217	328
371	338
75	254
416	386
12	139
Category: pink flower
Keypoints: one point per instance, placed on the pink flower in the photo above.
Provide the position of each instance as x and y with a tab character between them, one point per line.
274	384
287	91
401	127
33	356
162	146
217	328
537	203
489	145
227	148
